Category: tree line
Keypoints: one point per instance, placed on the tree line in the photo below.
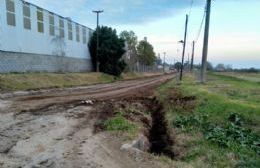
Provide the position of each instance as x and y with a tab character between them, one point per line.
117	52
218	68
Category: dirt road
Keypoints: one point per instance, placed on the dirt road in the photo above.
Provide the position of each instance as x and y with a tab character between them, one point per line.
54	128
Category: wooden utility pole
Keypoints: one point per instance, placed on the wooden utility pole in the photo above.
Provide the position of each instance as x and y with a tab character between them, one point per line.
205	45
164	61
192	56
184	46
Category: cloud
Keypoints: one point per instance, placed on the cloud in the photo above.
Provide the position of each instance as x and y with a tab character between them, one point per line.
117	11
141	11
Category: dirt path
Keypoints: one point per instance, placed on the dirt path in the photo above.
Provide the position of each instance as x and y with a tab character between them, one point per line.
54	128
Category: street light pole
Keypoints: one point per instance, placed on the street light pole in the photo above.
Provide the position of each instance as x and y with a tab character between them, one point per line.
97	61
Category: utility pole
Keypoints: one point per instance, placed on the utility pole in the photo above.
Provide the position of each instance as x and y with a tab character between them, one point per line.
97	61
184	46
192	56
164	62
188	61
205	45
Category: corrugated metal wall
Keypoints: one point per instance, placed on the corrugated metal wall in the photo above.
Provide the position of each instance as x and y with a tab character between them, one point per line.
18	39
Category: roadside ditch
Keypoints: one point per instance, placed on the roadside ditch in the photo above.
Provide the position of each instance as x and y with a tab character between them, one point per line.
142	117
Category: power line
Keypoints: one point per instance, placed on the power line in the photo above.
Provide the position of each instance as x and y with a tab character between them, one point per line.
200	28
189	15
191	5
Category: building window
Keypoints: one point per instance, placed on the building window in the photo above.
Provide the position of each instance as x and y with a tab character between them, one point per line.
84	35
26	16
40	20
61	27
51	25
77	33
70	34
10	12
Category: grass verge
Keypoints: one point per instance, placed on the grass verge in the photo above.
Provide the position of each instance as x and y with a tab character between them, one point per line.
30	81
220	120
33	81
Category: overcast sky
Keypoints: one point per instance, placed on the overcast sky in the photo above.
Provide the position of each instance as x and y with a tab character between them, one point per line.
234	29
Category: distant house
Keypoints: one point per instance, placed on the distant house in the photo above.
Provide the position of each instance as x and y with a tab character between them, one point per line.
35	39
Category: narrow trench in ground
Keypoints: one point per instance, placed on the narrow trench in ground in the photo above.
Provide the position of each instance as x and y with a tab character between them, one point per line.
156	128
160	138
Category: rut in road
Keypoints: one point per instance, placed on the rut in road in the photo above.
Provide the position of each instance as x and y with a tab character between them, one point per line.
96	92
54	129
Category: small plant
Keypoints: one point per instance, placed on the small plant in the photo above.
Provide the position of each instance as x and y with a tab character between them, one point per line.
233	133
119	123
236	119
188	123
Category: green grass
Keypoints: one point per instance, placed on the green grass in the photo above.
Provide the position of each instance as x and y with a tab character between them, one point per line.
222	96
246	91
27	81
119	124
33	81
254	77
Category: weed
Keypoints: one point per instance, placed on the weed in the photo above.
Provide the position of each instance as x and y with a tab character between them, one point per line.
226	112
188	123
236	119
225	136
231	135
119	123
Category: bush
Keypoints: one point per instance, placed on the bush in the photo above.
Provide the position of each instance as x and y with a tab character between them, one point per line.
111	50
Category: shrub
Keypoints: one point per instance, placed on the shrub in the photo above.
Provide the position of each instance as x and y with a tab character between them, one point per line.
111	50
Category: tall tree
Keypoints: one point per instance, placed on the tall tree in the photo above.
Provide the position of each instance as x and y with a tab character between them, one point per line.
210	66
177	66
111	50
131	42
146	53
130	38
220	67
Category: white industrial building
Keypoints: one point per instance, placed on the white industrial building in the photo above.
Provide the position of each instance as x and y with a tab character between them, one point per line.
35	39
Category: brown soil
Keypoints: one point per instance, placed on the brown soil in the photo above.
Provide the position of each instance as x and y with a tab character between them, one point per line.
178	99
58	128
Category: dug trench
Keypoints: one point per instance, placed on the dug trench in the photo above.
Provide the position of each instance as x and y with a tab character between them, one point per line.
91	133
147	113
78	133
74	133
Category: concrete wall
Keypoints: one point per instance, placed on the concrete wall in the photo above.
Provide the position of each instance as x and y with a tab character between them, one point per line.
25	62
16	39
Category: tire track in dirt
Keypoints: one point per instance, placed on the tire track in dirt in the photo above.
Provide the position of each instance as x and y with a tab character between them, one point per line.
97	92
55	130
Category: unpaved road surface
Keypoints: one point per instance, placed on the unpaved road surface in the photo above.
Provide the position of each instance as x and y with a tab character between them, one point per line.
54	128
